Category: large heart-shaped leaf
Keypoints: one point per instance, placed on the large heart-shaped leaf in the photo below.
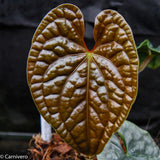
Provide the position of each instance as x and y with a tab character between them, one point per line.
85	95
139	145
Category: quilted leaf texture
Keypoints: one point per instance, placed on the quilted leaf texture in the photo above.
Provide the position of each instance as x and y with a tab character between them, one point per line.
85	95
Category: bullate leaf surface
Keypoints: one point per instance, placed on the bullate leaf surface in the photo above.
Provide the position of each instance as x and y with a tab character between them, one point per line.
85	95
139	145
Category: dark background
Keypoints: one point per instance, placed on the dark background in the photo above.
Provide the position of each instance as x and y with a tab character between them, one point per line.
18	21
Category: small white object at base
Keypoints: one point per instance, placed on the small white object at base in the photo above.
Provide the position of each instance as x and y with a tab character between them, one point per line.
46	130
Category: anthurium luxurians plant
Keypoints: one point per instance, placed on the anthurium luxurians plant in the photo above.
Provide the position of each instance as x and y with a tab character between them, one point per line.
85	95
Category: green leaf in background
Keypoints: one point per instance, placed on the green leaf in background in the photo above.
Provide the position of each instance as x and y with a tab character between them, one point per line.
139	145
148	55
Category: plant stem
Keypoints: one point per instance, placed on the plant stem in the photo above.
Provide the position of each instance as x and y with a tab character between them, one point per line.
123	143
89	157
46	131
145	62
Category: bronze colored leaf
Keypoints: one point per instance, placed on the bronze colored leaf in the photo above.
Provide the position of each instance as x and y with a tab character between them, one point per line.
85	95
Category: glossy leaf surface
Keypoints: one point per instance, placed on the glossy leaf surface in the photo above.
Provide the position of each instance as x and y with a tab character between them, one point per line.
85	95
139	144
